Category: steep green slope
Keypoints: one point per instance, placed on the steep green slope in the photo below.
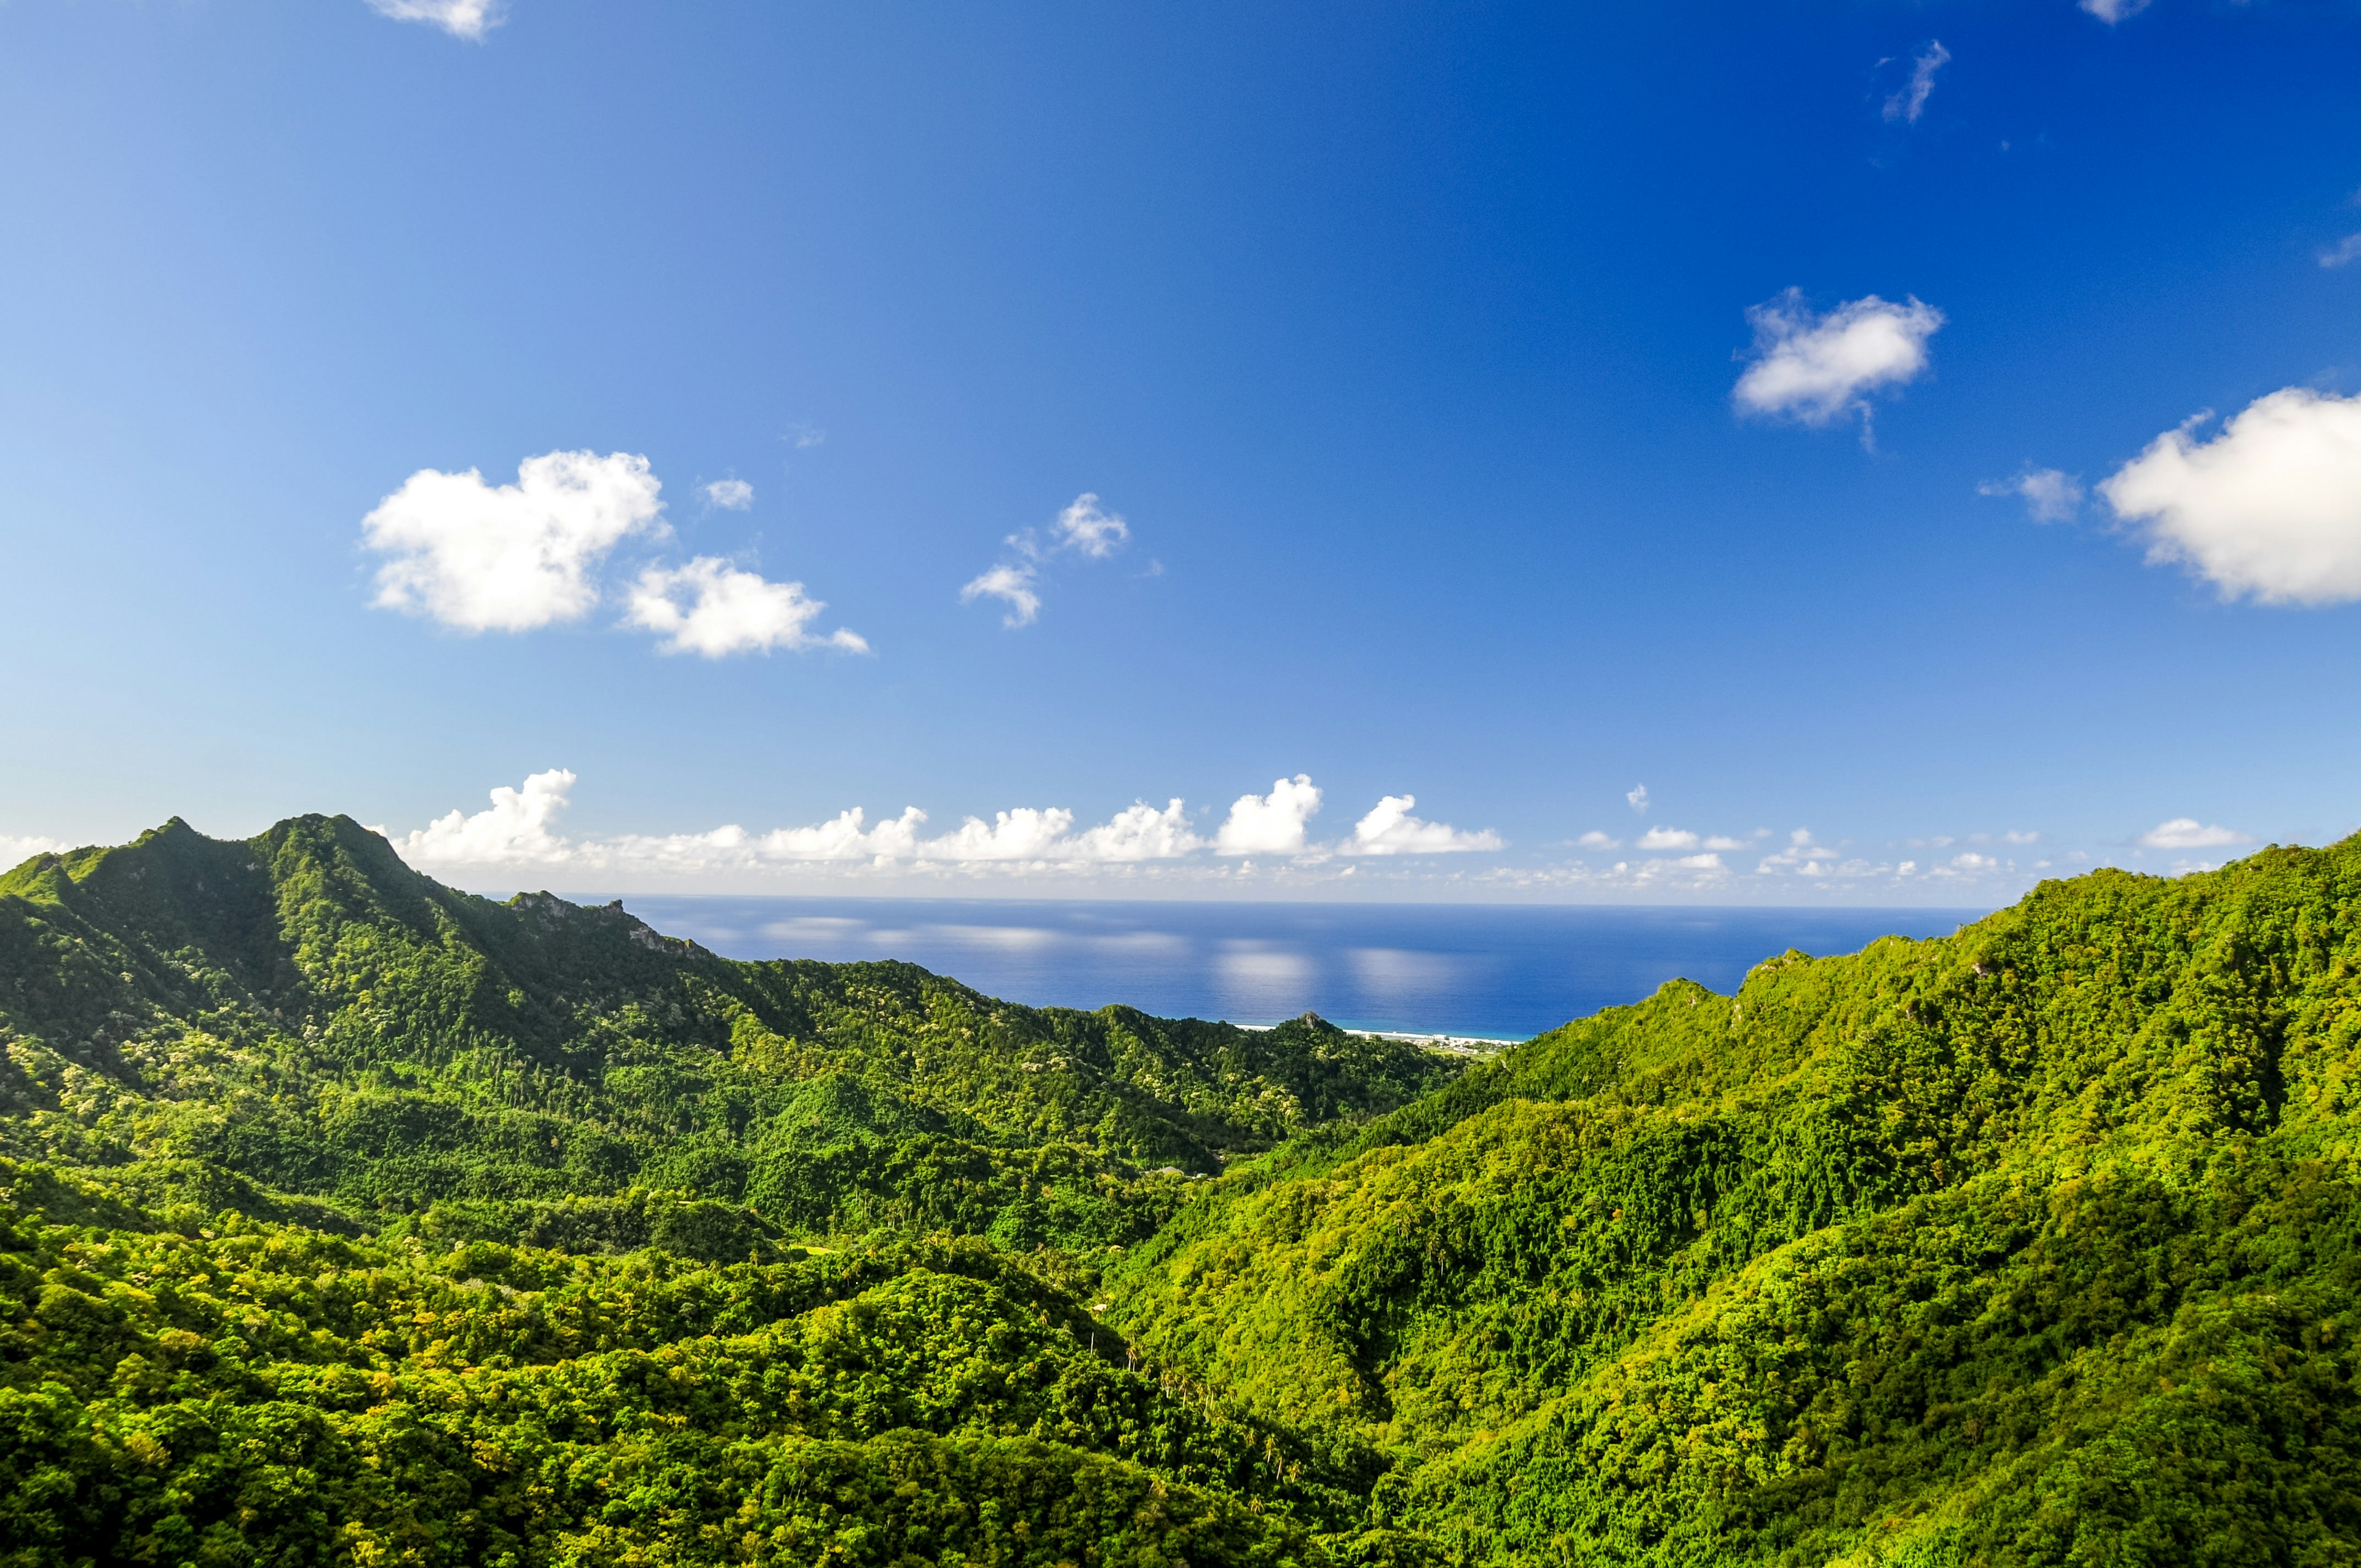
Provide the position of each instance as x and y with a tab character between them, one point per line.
2034	1244
300	1027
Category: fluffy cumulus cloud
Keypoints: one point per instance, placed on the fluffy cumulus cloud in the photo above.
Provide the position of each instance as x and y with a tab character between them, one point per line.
481	557
846	837
1911	102
1595	839
2188	833
2270	507
2049	496
1637	798
519	830
16	848
1082	527
1025	834
1013	584
712	608
1820	368
2114	11
1140	833
460	18
1269	824
1390	830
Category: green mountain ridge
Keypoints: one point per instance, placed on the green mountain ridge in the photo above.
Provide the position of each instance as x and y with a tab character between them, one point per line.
355	1220
304	1013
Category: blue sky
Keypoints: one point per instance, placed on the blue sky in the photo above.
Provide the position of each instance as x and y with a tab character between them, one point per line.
1498	408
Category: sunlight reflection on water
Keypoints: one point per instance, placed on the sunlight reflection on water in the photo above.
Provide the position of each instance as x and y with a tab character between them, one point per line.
1505	970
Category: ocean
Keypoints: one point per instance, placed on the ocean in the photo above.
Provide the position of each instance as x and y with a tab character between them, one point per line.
1497	971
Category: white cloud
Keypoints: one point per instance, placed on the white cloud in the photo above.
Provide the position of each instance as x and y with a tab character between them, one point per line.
1700	863
2270	507
1084	527
15	850
511	557
1015	583
1682	838
461	18
731	848
2050	494
1595	839
2114	11
1805	858
520	831
730	495
1971	863
710	608
2344	253
1390	830
1026	833
844	837
1141	833
2188	833
1818	369
516	830
1269	824
1638	797
1911	102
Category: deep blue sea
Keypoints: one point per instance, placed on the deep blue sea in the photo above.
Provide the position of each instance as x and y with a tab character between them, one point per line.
1505	972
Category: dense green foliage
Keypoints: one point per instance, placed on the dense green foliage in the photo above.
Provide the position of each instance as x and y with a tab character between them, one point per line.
187	1396
2033	1244
355	1219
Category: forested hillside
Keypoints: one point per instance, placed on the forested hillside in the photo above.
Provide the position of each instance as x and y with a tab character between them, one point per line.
301	1028
2035	1245
358	1220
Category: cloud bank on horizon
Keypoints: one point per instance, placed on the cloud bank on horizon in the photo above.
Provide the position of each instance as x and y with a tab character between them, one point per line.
1262	840
520	831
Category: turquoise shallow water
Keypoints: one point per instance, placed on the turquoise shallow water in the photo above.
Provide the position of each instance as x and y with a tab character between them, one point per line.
1501	970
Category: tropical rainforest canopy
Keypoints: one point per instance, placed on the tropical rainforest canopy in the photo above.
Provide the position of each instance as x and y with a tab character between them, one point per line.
346	1218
